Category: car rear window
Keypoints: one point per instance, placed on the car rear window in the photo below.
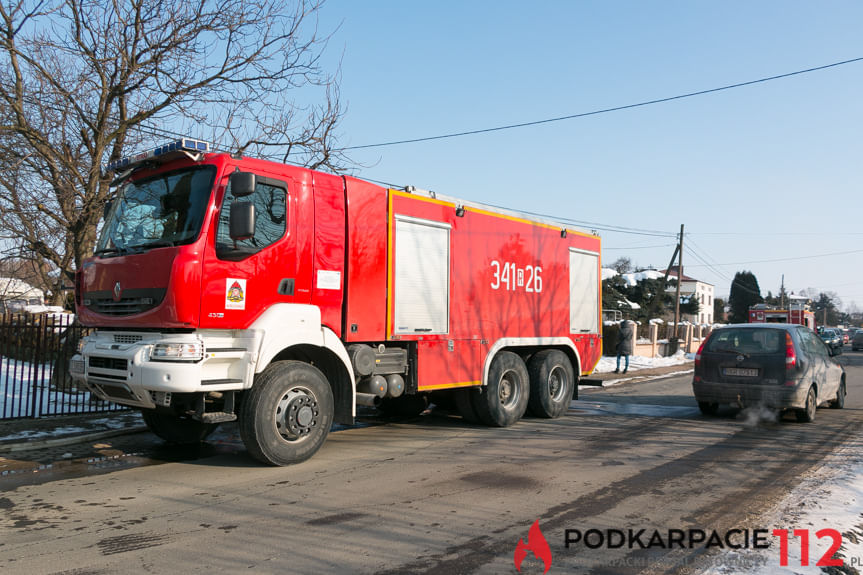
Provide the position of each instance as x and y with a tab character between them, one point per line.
747	341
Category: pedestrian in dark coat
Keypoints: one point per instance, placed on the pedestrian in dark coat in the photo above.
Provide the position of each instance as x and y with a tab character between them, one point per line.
624	344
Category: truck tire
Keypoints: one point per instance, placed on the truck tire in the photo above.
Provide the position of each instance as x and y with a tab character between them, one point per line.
503	400
551	381
287	415
176	429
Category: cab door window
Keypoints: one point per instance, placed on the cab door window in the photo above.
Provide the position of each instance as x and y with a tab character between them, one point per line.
271	215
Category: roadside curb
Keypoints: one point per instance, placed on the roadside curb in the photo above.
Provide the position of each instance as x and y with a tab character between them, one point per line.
635	376
70	440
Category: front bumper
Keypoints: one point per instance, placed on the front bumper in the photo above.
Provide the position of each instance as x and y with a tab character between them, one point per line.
118	366
777	396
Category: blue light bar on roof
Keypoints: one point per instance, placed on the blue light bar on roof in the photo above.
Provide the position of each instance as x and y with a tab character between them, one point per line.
182	145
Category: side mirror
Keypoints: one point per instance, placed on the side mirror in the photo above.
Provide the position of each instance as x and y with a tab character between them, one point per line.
242	222
242	184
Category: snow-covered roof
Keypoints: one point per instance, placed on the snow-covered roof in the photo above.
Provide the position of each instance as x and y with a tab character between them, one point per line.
14	287
632	278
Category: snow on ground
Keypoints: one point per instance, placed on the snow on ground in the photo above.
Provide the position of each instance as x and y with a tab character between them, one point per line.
636	362
831	497
19	380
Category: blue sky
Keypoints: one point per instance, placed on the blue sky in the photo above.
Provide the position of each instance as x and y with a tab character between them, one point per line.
764	172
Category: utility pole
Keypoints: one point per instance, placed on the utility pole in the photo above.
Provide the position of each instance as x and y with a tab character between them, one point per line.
782	294
679	281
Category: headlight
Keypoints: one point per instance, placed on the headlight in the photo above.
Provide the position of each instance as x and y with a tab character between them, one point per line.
177	352
81	343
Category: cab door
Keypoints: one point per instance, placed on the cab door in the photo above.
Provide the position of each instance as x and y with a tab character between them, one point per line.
242	278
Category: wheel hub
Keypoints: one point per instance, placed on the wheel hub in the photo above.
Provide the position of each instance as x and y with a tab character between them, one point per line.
296	415
507	391
556	383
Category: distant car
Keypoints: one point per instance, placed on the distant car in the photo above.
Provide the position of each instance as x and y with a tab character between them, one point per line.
779	366
831	337
857	340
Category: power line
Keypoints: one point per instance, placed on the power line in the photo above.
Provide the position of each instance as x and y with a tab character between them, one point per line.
792	259
606	110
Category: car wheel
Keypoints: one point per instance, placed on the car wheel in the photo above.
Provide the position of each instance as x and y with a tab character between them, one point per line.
708	407
807	414
839	402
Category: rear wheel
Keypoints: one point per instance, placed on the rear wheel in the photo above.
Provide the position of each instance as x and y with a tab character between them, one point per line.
176	429
708	407
287	415
503	400
551	381
839	402
807	414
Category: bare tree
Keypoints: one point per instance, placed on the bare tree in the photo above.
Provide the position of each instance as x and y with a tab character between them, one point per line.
83	82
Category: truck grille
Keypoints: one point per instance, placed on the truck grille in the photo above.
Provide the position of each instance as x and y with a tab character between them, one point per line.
115	363
131	302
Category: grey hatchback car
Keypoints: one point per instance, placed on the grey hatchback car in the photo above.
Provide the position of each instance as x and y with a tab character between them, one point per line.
777	365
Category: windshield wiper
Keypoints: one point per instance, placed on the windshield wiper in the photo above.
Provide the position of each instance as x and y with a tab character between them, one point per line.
155	244
106	251
727	350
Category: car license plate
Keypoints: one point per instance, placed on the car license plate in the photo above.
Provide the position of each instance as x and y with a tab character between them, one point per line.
741	371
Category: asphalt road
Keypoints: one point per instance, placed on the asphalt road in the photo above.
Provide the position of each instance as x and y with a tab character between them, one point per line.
428	495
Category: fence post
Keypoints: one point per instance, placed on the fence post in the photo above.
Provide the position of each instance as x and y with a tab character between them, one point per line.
654	338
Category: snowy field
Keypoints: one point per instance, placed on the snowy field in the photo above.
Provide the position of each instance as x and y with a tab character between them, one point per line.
23	385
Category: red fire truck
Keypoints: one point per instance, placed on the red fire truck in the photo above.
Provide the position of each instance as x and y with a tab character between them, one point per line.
227	288
798	312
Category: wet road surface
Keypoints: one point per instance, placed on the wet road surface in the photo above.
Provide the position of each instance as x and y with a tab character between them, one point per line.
422	496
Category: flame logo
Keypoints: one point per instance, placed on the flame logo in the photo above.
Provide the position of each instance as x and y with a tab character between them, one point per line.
537	544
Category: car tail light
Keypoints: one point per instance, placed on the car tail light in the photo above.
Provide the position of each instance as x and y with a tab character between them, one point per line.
698	354
790	353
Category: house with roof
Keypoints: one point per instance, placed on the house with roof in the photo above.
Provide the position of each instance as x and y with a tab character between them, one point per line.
16	294
703	293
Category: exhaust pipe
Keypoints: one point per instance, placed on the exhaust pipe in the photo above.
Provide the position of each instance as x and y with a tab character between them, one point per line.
368	399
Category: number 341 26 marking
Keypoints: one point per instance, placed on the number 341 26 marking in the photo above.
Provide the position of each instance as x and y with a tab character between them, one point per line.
509	276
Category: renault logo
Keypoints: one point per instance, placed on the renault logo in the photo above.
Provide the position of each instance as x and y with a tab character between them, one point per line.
118	291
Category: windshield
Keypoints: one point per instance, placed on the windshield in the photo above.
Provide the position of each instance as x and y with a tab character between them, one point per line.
166	210
747	340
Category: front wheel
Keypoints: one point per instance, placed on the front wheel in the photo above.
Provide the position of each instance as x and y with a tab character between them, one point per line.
175	429
807	414
287	415
503	400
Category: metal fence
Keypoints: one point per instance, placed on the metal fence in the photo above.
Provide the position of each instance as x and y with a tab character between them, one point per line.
34	362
